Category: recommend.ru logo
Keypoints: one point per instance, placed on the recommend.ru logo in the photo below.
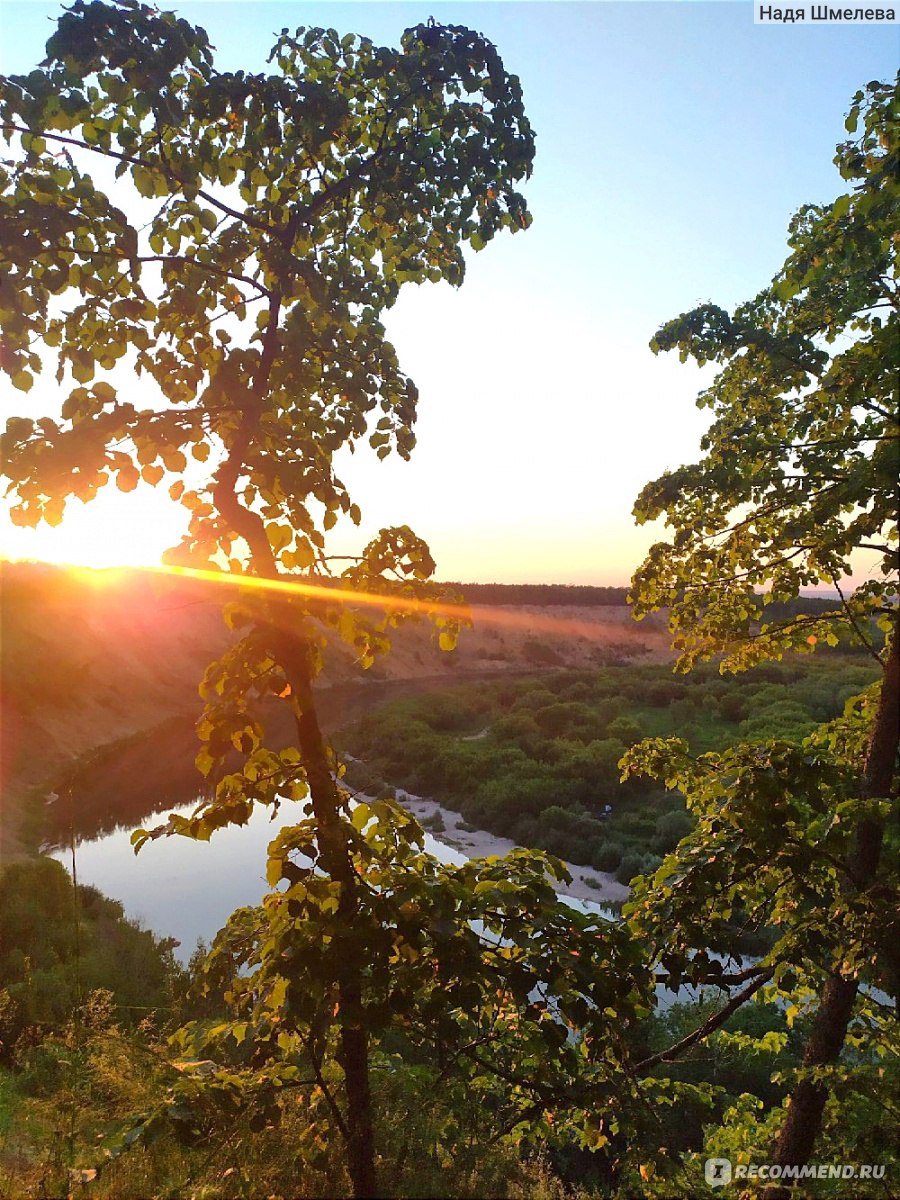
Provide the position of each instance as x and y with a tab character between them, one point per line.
717	1172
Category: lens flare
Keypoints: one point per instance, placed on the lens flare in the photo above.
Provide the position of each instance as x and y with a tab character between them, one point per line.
481	614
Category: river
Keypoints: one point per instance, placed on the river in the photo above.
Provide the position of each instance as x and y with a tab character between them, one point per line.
186	890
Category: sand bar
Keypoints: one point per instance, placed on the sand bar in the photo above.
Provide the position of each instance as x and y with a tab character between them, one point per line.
478	843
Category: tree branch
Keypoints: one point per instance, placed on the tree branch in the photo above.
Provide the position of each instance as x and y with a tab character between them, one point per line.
852	619
246	523
180	259
708	1027
142	162
734	977
326	1092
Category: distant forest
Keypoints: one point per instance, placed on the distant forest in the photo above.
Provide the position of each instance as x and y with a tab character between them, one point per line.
542	593
536	759
603	597
24	581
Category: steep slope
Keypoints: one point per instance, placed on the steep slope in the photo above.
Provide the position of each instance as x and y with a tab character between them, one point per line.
89	658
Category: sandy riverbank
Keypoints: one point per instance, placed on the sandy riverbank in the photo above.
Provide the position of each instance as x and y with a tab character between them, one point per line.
478	843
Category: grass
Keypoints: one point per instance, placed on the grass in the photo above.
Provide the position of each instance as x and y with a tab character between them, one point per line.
72	1090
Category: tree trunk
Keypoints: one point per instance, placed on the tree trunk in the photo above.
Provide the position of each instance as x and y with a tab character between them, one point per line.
354	1059
353	1056
804	1115
293	651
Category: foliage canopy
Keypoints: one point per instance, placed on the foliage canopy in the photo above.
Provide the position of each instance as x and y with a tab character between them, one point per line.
801	461
271	219
236	238
800	471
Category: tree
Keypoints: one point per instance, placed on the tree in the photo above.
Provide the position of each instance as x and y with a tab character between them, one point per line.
799	472
237	244
483	992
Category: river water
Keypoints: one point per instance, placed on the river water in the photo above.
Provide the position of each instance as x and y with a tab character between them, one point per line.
178	887
186	890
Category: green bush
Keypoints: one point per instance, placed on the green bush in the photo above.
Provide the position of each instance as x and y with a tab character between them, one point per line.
540	654
634	862
551	756
607	857
56	947
625	729
671	827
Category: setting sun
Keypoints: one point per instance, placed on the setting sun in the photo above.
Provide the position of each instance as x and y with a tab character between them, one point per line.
114	530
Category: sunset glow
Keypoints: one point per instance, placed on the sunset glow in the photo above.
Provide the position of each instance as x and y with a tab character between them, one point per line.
529	621
114	530
543	412
449	680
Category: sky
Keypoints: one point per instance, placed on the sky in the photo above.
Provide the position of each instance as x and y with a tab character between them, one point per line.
674	141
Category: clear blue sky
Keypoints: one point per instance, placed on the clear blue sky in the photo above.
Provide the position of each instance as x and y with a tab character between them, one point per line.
674	142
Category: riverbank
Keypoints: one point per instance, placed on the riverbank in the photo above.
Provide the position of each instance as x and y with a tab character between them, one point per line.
586	884
91	659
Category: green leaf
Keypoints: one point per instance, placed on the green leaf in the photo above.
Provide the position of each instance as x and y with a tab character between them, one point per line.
204	762
138	838
83	369
840	206
279	536
174	460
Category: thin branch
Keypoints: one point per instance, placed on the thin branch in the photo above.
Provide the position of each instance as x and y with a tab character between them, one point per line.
326	1092
735	977
150	166
448	1066
180	259
882	412
501	1073
525	1114
175	259
754	572
773	355
826	855
852	619
708	1027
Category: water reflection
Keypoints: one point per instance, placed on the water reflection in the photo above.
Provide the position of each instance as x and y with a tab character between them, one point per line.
153	771
177	887
120	785
185	889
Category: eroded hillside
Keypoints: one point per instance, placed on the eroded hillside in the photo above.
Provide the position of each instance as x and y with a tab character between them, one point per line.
89	658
